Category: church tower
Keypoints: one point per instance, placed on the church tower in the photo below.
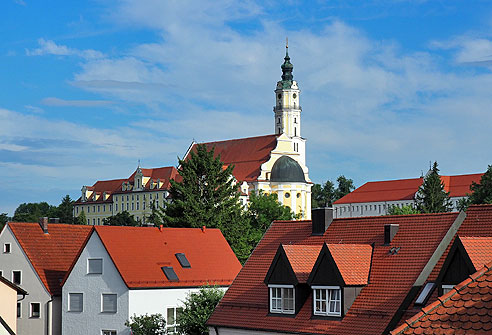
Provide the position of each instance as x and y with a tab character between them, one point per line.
287	108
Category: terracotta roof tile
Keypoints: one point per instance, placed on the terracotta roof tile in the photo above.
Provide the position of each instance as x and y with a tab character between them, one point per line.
479	249
139	253
461	310
405	189
245	304
302	259
246	154
52	254
353	262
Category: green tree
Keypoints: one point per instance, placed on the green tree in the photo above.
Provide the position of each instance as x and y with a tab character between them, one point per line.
65	210
431	196
404	210
322	195
482	192
155	216
207	196
198	306
3	220
345	186
81	219
153	324
31	212
121	219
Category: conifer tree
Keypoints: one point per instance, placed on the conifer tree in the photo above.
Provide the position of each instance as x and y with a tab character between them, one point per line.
482	192
431	196
207	196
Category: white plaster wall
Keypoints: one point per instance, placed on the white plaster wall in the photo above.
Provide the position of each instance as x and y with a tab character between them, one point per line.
233	331
92	320
30	282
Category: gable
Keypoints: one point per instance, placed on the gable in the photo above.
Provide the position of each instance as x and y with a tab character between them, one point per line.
325	271
457	266
280	271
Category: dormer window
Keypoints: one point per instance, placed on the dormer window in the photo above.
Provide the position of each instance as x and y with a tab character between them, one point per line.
282	299
327	300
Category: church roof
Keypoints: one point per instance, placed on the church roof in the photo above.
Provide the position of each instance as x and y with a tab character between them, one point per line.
405	189
287	169
246	154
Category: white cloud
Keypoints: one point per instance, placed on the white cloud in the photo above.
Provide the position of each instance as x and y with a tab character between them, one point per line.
52	101
49	47
468	49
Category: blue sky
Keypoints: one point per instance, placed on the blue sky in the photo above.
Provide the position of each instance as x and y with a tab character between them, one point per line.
88	88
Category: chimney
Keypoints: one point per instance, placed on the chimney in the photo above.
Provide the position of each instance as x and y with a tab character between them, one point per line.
390	231
321	219
160	228
43	222
203	229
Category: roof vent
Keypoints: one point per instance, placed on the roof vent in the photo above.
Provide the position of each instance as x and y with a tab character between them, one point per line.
170	274
183	260
390	231
321	220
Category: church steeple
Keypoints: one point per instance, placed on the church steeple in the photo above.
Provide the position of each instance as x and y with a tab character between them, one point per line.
287	68
287	109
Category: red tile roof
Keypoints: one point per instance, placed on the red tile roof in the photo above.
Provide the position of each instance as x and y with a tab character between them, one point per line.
479	249
405	189
139	253
466	309
246	154
302	259
52	254
353	262
245	304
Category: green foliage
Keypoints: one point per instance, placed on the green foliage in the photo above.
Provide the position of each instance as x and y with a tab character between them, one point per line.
3	220
207	196
153	324
81	219
198	307
404	210
31	212
482	192
155	216
121	219
64	211
324	195
431	196
263	209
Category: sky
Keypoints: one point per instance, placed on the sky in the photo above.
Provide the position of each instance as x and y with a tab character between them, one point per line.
90	88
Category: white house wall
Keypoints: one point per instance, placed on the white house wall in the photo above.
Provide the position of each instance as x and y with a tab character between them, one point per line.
92	320
17	260
234	331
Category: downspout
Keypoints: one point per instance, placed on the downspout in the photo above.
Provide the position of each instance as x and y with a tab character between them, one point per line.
49	317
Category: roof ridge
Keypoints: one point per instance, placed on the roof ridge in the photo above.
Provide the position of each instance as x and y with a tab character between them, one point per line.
238	139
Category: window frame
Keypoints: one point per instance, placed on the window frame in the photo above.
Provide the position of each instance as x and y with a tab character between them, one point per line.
102	303
31	314
7	246
88	267
20	277
282	299
19	310
447	288
172	328
108	332
69	306
328	300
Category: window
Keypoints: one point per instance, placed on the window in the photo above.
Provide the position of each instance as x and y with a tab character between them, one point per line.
35	310
95	266
172	316
77	209
138	203
109	303
287	195
116	207
282	299
75	302
19	309
16	277
88	209
425	294
133	208
1	273
104	208
94	208
6	248
108	332
88	221
98	208
98	221
446	288
110	207
327	300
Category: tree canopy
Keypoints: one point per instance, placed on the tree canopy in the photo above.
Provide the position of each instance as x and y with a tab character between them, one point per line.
482	192
404	210
198	306
32	211
153	324
431	196
325	194
3	220
121	219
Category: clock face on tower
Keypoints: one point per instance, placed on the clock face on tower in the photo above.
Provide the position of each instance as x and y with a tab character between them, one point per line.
279	96
294	95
